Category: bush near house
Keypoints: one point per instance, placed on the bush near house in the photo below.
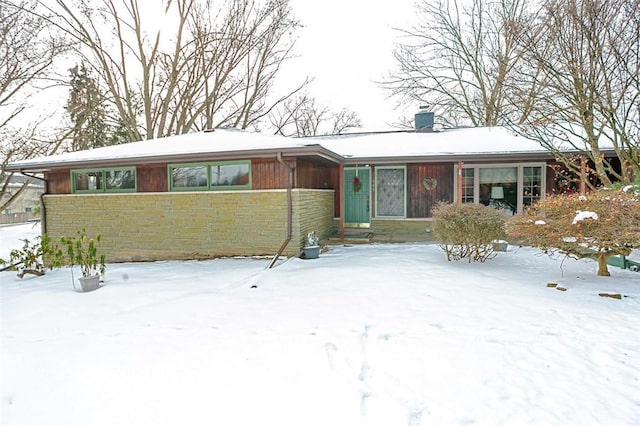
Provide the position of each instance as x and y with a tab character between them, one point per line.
468	230
597	225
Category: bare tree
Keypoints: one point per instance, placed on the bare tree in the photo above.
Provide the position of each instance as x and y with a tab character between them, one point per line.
217	66
302	116
462	60
28	49
587	53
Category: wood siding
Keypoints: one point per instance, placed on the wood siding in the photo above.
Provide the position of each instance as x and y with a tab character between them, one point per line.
420	179
270	174
313	175
58	182
152	178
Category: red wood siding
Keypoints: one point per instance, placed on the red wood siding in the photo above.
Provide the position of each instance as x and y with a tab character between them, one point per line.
152	178
420	177
58	182
270	174
317	176
320	176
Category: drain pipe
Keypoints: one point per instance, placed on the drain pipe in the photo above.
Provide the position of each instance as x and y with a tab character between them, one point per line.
43	208
289	212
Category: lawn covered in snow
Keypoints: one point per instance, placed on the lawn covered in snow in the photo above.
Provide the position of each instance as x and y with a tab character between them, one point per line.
380	334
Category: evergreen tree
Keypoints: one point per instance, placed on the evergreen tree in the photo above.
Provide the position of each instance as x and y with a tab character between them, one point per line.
87	112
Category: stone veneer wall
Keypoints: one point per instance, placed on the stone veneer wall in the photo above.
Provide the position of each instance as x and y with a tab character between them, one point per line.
191	225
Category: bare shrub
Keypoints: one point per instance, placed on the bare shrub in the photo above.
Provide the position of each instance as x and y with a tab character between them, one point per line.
468	230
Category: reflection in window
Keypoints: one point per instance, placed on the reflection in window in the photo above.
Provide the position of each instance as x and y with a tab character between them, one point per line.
88	181
189	177
120	179
230	174
214	176
101	180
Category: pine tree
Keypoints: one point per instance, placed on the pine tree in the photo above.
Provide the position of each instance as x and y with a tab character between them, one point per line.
86	108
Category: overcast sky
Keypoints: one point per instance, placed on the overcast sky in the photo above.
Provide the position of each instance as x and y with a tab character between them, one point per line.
347	45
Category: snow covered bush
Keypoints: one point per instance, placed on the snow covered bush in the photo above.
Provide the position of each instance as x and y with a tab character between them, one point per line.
27	260
597	225
467	230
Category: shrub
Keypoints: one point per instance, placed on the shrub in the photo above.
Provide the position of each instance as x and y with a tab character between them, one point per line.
82	251
468	230
27	260
597	225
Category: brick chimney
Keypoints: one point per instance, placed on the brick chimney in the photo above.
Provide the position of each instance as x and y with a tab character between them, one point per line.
424	120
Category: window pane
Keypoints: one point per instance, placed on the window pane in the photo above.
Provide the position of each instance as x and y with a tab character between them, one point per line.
189	177
88	181
120	179
532	185
467	185
390	192
229	174
499	187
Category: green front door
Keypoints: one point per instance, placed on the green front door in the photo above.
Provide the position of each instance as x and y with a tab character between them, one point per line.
357	198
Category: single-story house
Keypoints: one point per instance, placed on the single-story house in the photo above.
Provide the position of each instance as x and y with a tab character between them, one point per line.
229	192
26	199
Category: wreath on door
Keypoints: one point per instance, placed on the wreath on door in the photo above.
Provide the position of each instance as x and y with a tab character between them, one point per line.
357	185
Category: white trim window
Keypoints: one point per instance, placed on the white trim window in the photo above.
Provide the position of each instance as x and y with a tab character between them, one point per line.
391	190
509	187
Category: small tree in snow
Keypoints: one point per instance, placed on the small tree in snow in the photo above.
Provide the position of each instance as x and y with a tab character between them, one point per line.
598	225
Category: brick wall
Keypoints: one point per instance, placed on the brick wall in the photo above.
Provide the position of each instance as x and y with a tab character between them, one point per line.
191	225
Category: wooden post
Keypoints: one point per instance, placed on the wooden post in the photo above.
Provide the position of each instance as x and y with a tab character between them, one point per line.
459	185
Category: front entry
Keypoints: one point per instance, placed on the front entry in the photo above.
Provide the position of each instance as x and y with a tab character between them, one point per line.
357	197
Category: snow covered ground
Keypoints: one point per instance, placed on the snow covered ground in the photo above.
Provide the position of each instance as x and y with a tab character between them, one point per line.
382	334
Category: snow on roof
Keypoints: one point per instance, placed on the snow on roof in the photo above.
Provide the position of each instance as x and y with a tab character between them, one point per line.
218	141
452	142
371	145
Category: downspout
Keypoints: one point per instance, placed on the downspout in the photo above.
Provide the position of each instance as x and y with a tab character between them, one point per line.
289	212
43	209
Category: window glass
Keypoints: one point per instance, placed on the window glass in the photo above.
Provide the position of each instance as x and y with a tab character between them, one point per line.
531	185
88	180
390	191
120	179
189	177
230	174
104	180
214	176
468	185
499	188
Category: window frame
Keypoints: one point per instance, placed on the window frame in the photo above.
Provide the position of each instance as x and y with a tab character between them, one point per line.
520	179
103	176
404	197
170	168
209	187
